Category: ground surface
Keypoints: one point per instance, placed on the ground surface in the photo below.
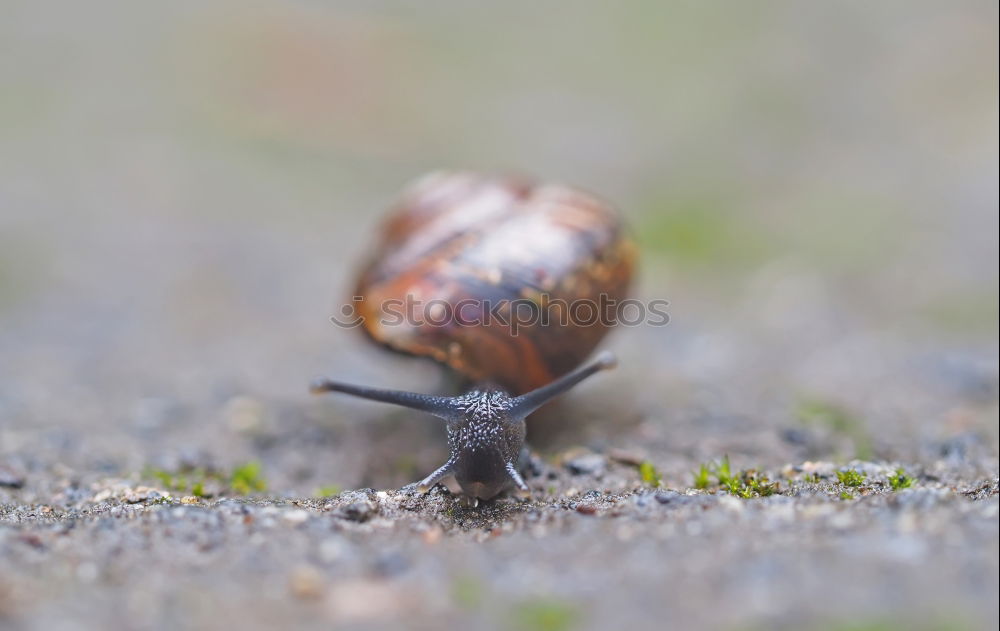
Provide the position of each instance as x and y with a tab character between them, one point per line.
186	191
581	557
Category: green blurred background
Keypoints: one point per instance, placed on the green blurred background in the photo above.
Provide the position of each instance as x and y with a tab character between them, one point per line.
852	139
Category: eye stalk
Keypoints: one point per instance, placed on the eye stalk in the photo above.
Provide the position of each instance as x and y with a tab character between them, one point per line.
443	407
528	403
485	427
451	408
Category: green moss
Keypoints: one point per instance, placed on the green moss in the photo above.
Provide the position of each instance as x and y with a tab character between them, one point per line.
247	478
165	478
851	478
745	484
649	474
750	484
723	471
185	482
736	489
760	485
328	490
244	479
702	477
899	480
846	495
545	614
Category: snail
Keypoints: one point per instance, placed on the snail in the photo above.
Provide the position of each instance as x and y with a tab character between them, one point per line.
480	252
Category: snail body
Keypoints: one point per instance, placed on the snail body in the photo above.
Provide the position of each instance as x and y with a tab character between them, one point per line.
477	253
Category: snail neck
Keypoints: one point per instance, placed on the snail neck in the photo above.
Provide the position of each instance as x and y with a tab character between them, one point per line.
485	442
484	421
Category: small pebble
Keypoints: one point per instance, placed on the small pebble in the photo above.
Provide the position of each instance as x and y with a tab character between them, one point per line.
390	564
10	478
626	457
141	494
669	497
366	600
357	511
587	464
306	582
642	499
31	539
432	535
102	496
534	465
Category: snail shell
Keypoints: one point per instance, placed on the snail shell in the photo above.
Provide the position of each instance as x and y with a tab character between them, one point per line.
470	243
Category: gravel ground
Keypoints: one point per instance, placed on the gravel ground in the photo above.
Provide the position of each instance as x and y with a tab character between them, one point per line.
578	556
151	519
187	189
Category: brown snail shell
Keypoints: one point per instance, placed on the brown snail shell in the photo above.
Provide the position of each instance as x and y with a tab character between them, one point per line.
491	240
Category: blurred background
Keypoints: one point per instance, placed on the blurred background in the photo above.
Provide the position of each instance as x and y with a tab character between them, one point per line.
188	188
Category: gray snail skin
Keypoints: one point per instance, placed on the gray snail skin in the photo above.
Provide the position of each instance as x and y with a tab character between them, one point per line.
486	428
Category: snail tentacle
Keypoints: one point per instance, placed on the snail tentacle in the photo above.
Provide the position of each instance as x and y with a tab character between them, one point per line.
526	404
447	408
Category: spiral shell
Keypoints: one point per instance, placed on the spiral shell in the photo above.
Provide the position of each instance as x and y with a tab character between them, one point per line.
468	252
